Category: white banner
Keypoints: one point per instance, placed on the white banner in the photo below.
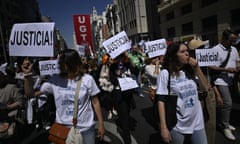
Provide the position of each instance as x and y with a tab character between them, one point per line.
117	44
48	67
207	57
155	48
32	39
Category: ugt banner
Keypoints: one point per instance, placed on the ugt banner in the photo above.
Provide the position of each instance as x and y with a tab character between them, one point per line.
83	33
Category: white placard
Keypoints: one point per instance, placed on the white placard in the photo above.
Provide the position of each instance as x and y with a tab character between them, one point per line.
32	39
117	44
81	50
127	83
207	57
3	68
48	67
155	48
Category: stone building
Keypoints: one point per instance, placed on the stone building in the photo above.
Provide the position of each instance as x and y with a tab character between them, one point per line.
205	19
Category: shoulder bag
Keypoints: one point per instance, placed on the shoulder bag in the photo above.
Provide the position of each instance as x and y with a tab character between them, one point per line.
171	108
60	134
151	90
152	93
214	74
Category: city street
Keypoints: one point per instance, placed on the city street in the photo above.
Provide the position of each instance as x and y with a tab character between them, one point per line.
143	126
144	129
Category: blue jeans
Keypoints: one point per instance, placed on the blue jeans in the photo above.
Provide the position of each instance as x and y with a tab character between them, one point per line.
89	136
198	137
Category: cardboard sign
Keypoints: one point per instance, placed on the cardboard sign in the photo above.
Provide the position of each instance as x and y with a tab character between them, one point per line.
207	57
155	48
32	39
127	83
117	44
48	67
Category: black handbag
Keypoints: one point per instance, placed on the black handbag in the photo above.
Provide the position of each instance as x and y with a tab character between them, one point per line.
171	112
171	108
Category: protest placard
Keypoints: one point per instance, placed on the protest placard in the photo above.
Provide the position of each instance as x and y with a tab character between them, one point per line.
32	39
207	57
81	49
117	44
49	67
127	83
155	48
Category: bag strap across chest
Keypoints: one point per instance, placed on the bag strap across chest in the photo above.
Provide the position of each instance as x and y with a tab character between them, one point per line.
75	110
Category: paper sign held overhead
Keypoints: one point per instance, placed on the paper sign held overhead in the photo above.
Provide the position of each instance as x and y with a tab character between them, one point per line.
207	57
117	44
155	48
32	39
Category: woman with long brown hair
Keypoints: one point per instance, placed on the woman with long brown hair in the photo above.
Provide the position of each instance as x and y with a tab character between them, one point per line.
177	77
63	87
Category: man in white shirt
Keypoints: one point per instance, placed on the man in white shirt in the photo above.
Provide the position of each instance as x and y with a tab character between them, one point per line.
225	78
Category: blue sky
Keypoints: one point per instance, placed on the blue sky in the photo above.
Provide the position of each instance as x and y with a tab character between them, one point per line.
62	11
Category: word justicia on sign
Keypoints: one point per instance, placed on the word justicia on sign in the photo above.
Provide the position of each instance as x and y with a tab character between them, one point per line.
208	57
155	47
48	67
117	43
32	38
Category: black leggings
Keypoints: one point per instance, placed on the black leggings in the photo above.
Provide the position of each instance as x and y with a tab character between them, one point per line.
125	102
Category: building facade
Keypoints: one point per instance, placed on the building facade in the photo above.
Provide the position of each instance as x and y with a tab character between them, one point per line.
133	19
104	26
12	12
182	20
27	11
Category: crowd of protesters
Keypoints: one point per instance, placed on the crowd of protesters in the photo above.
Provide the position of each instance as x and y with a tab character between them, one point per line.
22	89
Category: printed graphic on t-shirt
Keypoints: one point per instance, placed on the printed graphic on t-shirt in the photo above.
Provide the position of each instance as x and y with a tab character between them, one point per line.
186	92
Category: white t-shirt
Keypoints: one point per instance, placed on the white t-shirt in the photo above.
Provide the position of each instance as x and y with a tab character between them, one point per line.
232	62
189	110
64	100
